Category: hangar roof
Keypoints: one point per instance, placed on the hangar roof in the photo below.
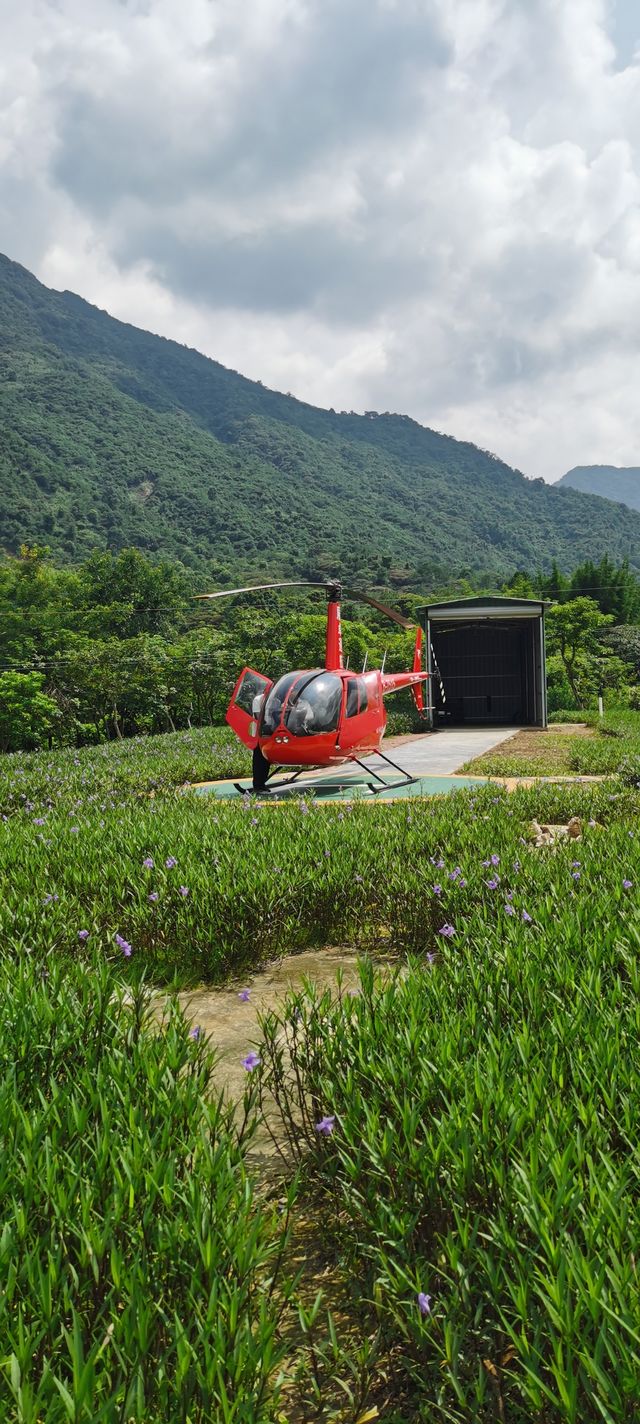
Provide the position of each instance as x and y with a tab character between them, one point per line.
486	606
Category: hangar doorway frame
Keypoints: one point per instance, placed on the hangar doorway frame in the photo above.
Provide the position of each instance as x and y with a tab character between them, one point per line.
492	655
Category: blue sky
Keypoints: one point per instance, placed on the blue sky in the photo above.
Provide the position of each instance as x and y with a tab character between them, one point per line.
428	206
624	23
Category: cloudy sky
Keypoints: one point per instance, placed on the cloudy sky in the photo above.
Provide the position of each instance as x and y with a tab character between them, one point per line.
428	206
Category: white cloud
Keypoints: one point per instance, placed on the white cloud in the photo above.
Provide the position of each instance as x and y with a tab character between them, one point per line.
430	206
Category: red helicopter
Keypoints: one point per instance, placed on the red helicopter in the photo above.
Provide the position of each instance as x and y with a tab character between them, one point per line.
319	717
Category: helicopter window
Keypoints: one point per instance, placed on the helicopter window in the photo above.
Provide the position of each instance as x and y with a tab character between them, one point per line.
252	686
357	700
352	697
272	710
314	706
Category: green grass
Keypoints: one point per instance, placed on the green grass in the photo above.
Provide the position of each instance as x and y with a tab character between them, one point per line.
138	1270
139	767
232	885
616	744
485	1102
485	1143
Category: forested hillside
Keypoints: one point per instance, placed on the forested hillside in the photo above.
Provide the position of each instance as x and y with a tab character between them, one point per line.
609	481
114	437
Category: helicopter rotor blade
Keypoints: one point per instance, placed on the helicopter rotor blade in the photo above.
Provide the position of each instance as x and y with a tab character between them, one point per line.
357	594
381	607
259	587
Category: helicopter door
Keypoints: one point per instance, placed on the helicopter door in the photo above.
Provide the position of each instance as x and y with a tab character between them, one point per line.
243	712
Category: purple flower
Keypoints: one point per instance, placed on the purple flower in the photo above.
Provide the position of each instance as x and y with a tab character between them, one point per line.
526	917
437	889
148	863
183	890
439	864
244	996
170	862
575	874
326	1126
493	884
447	931
39	821
626	884
424	1302
153	896
124	945
509	910
461	884
196	1032
575	864
431	959
251	1061
358	879
83	934
74	830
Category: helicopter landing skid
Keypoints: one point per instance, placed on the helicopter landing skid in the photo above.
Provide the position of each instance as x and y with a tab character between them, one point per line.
266	789
407	780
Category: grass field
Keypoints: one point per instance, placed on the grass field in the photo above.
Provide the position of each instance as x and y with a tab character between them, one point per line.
598	748
452	1231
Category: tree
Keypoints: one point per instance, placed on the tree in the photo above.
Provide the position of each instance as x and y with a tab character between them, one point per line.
625	642
572	633
615	589
27	715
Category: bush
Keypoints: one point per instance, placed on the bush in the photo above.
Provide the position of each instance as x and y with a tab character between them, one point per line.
569	715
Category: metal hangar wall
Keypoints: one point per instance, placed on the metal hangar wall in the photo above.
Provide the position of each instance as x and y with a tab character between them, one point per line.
490	653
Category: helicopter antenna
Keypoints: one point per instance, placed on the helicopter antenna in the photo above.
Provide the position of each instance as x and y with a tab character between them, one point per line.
366	658
384	660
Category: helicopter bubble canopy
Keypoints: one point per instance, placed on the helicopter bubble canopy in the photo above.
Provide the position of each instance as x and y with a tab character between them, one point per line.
307	704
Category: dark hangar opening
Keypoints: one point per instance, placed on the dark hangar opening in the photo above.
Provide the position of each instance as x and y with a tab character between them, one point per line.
490	654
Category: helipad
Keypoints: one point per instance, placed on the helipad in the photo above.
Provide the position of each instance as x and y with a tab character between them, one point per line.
340	788
432	759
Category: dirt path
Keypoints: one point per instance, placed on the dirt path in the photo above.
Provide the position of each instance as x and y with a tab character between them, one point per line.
231	1023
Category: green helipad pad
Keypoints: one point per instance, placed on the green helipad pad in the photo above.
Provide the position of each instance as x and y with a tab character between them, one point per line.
346	787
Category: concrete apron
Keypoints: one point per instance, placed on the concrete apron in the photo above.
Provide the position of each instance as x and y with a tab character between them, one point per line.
443	753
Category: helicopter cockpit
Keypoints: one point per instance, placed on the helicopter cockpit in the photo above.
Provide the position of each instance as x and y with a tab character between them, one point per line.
308	703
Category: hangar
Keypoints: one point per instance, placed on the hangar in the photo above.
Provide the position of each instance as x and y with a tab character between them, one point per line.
490	653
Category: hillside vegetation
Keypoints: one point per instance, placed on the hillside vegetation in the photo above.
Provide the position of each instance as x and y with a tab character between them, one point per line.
114	437
609	481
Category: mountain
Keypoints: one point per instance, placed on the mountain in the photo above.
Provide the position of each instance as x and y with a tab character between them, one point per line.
112	436
609	481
